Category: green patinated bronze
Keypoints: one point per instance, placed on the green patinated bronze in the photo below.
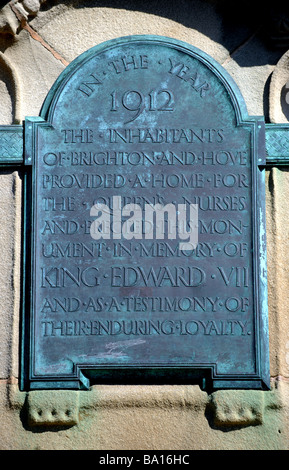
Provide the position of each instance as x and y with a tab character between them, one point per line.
150	120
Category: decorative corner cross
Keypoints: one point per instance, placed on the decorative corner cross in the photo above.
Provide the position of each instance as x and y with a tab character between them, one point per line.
277	144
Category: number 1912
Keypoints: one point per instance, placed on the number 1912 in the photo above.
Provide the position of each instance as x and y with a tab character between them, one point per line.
136	101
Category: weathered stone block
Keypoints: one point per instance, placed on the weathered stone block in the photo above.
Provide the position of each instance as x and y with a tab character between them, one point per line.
55	408
238	408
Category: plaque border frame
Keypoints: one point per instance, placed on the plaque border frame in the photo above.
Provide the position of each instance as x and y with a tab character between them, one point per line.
203	373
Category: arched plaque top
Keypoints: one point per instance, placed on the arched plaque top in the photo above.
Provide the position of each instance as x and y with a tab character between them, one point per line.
177	74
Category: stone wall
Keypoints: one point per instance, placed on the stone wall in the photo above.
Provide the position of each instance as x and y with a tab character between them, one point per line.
38	39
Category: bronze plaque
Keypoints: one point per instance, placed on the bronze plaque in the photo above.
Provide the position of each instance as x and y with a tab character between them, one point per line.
147	247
